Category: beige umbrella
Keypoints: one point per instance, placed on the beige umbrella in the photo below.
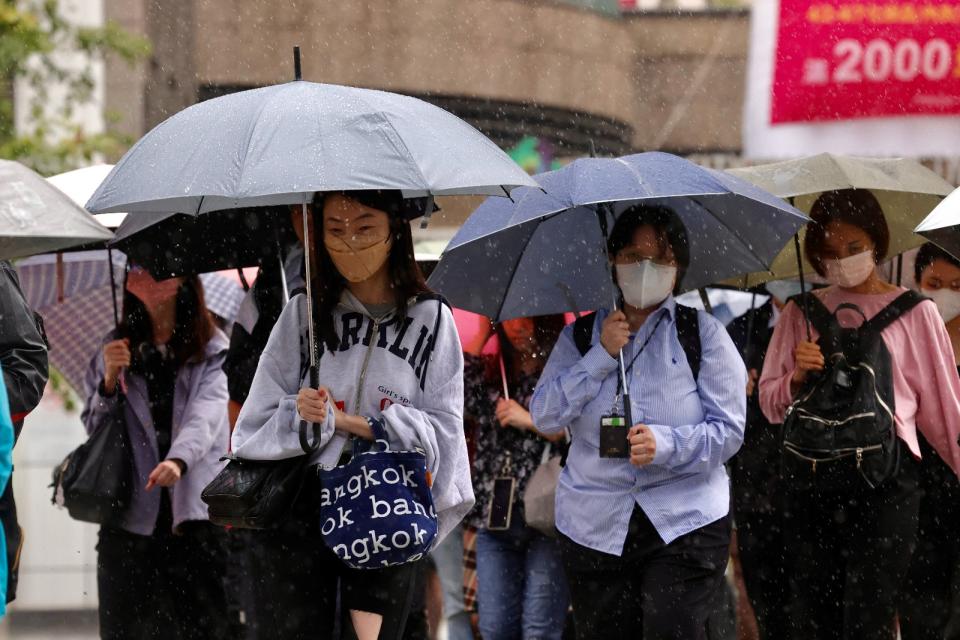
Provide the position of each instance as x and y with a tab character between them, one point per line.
907	192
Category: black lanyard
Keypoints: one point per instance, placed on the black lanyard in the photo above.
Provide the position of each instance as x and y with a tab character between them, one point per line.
626	372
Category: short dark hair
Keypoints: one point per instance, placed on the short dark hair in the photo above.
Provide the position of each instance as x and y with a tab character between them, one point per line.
928	254
665	222
328	285
192	330
856	207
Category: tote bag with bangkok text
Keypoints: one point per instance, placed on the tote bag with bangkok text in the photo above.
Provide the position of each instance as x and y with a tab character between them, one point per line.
377	510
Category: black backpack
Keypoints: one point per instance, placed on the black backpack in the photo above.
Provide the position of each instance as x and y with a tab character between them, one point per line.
688	332
840	431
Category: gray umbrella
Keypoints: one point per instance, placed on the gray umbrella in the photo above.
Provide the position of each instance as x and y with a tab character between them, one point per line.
36	217
280	144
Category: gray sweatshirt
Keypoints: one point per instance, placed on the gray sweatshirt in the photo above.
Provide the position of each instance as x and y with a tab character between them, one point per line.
380	370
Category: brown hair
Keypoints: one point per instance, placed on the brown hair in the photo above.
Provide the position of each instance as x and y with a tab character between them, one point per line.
665	223
192	330
856	207
546	332
328	285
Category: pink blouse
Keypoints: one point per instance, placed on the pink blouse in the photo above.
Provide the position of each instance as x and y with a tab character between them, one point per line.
925	383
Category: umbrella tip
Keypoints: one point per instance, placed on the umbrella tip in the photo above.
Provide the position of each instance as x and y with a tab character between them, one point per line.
296	64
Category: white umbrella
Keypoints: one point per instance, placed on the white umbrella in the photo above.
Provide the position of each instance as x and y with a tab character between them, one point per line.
942	226
80	184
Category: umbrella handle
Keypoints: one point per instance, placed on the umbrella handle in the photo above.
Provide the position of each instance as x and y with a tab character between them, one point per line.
503	376
311	333
113	289
803	287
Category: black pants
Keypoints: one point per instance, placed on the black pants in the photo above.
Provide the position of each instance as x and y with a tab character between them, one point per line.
762	558
929	602
849	550
164	586
297	581
654	591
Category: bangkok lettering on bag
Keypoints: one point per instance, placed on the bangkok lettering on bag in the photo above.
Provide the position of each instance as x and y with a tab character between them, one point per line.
353	494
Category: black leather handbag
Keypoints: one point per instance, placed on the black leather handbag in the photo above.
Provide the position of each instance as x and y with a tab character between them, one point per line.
94	481
258	494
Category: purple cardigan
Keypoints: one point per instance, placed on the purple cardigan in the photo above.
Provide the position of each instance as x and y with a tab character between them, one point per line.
200	433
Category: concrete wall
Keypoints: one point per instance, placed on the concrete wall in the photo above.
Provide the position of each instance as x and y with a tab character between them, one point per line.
673	81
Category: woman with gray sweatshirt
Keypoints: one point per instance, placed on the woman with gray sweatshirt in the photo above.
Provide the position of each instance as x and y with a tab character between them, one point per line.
388	350
160	566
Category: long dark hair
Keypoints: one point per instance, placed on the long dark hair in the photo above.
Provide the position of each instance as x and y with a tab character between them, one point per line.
328	285
546	332
192	329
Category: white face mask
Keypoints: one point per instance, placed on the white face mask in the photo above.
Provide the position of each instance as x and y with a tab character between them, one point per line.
852	271
645	284
947	301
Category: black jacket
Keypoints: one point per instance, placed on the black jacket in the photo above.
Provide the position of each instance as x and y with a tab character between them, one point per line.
23	351
755	470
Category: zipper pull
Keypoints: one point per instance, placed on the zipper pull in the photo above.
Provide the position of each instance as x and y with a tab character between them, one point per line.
859	457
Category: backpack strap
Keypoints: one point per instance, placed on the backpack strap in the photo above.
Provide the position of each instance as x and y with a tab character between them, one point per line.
817	313
583	332
890	313
688	332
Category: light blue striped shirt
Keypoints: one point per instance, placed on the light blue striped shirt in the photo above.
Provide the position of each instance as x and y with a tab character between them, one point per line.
698	427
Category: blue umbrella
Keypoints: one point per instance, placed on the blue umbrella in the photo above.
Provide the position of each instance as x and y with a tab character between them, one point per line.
544	252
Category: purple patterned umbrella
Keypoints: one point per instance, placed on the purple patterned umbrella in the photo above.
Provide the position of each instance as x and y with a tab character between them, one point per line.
76	306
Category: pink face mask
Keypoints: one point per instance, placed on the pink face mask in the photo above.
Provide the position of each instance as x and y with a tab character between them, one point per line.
149	291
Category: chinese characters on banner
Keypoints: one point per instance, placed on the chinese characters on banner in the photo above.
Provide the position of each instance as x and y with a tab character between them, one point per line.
844	59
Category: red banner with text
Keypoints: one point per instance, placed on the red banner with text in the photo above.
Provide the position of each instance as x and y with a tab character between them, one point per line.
842	59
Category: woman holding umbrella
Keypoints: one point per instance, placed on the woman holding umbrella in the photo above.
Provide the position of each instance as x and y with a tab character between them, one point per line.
389	352
160	567
645	538
850	530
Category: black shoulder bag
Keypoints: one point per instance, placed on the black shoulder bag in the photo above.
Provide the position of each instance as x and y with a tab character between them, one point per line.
94	481
259	494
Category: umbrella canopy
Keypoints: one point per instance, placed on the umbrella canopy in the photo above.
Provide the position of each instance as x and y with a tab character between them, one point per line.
942	226
36	217
906	190
80	184
545	253
173	244
284	143
77	309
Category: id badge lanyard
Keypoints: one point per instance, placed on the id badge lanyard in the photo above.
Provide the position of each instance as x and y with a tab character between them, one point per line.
614	425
